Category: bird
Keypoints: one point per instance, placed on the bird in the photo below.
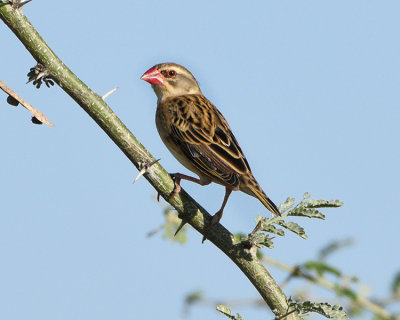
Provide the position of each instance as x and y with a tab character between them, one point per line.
199	136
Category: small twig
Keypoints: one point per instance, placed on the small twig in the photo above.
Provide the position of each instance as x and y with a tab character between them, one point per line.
277	219
284	215
36	113
153	232
105	96
373	307
285	315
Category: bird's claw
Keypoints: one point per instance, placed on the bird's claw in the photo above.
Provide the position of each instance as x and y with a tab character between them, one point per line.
177	186
144	167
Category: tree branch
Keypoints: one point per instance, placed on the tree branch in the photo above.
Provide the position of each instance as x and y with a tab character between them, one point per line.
189	210
17	99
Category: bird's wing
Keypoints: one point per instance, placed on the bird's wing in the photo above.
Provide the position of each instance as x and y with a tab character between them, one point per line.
204	136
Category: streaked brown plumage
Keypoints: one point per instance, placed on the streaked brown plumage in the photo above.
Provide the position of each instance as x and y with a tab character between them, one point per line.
198	135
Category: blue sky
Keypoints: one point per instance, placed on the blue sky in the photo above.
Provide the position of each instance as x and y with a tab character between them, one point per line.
310	90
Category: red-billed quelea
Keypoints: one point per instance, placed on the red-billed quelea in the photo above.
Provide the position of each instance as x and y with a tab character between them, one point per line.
199	137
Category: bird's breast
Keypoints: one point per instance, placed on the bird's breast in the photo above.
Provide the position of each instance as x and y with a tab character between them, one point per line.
164	118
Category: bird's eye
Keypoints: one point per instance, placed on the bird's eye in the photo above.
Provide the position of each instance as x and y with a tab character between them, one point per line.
168	73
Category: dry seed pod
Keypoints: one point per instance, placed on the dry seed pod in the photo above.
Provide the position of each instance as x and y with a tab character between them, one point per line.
11	100
36	120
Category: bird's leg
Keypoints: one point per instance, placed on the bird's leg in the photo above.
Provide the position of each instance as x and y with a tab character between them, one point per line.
177	177
218	215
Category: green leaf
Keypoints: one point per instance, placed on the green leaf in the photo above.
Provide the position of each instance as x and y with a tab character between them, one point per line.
396	285
226	311
322	204
287	204
304	212
259	218
321	268
272	229
194	297
240	236
294	227
377	317
341	291
333	246
261	239
323	308
171	225
306	195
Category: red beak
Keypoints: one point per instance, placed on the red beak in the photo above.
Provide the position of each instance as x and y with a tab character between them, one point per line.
153	76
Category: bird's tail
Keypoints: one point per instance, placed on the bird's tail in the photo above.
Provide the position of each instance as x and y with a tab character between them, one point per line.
251	187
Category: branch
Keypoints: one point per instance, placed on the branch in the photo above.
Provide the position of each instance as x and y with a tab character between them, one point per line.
189	210
17	99
365	303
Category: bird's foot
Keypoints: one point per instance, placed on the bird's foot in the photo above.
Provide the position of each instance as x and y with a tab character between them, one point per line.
177	188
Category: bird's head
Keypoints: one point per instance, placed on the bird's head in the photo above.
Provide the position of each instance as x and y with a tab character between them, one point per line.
171	80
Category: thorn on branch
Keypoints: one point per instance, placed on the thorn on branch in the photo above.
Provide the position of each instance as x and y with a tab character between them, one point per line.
39	74
180	227
144	168
105	96
14	99
17	4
